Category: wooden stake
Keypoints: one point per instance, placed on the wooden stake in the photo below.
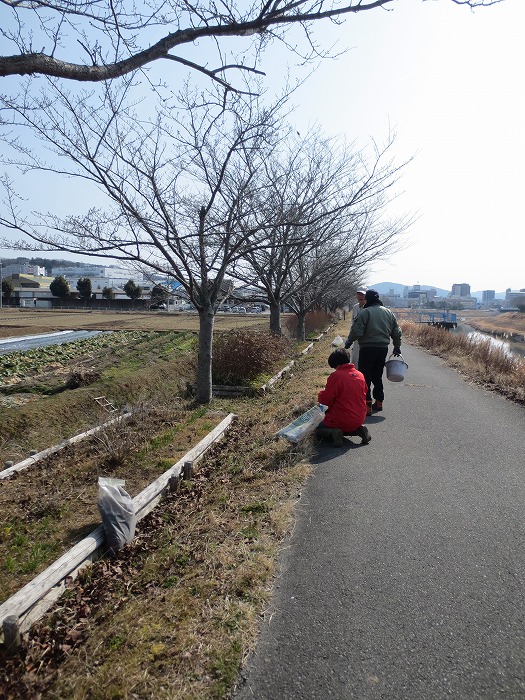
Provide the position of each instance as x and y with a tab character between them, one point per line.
187	470
11	633
174	484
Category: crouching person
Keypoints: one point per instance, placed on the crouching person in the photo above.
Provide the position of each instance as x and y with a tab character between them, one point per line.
345	396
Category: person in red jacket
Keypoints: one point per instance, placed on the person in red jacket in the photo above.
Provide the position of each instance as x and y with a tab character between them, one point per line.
345	396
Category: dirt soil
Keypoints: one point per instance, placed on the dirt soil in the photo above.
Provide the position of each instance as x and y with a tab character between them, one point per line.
21	322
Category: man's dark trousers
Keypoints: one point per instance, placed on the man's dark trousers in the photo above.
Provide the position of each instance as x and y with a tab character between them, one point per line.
371	364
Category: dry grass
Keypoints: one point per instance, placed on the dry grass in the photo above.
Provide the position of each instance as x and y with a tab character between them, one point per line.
489	322
480	361
175	614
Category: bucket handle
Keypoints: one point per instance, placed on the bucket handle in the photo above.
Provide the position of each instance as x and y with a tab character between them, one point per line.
398	357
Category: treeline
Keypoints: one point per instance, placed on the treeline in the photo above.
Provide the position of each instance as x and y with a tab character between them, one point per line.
48	263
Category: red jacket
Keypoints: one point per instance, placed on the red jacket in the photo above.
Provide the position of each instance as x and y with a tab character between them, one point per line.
345	396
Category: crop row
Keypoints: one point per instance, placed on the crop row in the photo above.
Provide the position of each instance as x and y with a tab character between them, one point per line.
18	365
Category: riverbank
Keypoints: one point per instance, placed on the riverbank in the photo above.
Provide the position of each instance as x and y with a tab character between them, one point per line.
479	361
508	325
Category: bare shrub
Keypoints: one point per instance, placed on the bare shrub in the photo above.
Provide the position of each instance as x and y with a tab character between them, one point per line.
82	376
118	439
115	442
315	322
240	356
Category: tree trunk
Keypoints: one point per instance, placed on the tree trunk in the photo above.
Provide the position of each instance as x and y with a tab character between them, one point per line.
301	325
275	317
204	377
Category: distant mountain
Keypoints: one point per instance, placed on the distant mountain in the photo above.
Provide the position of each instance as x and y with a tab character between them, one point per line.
384	288
479	295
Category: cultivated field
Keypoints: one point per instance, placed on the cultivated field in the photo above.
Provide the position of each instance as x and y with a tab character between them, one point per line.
15	322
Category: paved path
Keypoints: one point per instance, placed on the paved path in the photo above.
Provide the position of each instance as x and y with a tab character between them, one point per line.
405	574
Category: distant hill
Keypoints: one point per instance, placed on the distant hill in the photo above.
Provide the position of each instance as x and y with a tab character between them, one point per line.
48	263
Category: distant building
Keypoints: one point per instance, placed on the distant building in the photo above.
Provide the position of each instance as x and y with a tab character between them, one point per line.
488	295
515	299
460	290
31	290
114	277
461	294
93	271
419	297
24	269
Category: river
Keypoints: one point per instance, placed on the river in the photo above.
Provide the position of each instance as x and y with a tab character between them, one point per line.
511	347
28	342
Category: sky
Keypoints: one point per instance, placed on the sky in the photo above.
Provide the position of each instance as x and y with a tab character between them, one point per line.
450	82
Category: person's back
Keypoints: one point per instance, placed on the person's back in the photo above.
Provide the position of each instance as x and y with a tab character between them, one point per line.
345	395
374	326
345	398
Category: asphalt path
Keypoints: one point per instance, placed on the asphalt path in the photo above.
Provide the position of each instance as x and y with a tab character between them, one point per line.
404	575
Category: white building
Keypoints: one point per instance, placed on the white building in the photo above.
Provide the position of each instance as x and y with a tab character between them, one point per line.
24	269
114	277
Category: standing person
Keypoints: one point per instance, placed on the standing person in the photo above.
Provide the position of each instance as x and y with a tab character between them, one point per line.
360	296
374	326
345	396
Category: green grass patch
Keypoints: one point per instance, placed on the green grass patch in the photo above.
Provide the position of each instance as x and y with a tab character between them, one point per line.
259	507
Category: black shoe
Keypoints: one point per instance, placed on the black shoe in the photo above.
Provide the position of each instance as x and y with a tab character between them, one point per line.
363	433
337	437
377	406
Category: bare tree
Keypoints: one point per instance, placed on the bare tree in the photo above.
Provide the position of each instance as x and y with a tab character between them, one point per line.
180	190
102	40
322	195
340	297
346	245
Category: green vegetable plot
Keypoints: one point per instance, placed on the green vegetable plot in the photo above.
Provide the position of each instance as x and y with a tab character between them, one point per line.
17	366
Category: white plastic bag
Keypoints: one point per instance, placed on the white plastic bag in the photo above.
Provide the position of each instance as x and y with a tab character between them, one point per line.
117	511
304	425
338	342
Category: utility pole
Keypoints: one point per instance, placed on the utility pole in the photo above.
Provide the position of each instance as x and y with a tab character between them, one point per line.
1	290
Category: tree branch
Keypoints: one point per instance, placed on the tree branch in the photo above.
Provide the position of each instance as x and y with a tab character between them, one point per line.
279	14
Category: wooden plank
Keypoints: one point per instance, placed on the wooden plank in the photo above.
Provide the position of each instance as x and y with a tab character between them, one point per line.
21	602
56	448
275	378
148	499
31	601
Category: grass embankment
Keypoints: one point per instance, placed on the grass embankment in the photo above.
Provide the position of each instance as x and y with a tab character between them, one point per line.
479	361
175	613
508	324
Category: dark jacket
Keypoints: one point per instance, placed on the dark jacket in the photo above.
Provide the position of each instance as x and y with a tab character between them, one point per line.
374	327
